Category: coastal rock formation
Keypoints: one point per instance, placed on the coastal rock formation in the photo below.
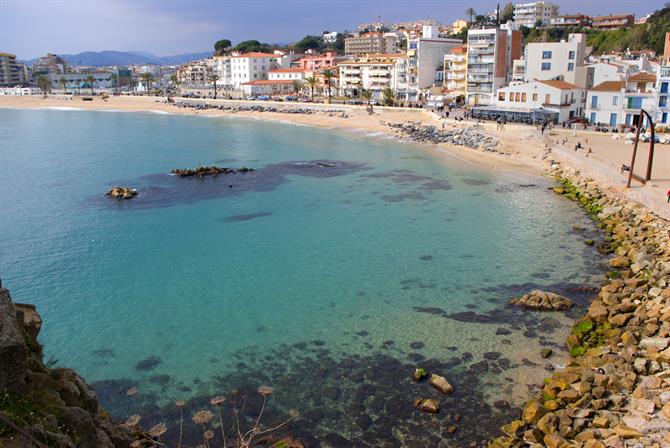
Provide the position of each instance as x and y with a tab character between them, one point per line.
40	406
419	132
615	390
122	193
211	170
271	108
543	301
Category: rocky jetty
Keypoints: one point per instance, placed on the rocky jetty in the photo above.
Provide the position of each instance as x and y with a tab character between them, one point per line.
543	301
469	137
122	193
269	108
212	170
615	390
39	406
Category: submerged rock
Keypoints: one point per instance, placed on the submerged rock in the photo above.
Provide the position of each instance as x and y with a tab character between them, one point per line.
427	405
543	301
211	170
440	383
122	193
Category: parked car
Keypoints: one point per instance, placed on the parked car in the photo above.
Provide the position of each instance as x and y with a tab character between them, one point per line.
355	102
291	98
262	97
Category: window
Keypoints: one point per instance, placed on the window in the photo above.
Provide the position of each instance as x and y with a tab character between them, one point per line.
501	96
594	101
413	46
571	66
546	66
664	87
547	99
523	97
511	96
663	101
634	102
593	117
664	119
571	55
534	96
517	97
546	55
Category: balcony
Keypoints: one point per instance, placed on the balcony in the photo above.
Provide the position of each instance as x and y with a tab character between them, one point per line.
455	76
481	71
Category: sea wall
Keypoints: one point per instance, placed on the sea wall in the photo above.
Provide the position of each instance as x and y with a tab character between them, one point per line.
615	391
41	406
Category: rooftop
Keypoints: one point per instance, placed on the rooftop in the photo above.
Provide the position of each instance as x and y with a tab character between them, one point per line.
563	85
265	82
609	86
642	77
257	55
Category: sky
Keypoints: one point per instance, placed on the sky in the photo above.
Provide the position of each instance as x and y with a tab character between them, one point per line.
32	28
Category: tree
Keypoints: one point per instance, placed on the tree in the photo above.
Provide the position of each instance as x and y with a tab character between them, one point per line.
367	95
311	81
132	84
90	79
213	78
115	79
389	97
63	82
328	76
252	45
309	43
221	45
471	13
507	13
44	84
147	79
296	87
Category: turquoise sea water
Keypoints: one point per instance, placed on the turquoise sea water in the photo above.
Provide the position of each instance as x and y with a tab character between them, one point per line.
305	277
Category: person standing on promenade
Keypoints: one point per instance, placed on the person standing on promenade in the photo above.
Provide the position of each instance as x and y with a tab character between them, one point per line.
668	194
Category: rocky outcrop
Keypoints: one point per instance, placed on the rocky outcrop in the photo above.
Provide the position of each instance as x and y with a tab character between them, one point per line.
211	170
41	406
543	301
270	108
122	193
419	132
615	390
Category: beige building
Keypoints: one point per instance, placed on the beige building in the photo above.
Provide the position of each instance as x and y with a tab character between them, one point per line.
371	43
528	14
11	72
458	26
562	60
455	72
373	72
613	22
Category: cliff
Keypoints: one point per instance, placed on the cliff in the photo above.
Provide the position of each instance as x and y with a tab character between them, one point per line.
40	406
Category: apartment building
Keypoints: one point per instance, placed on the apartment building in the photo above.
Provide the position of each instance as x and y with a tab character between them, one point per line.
253	66
663	89
618	103
455	71
613	22
570	21
318	61
519	70
197	73
562	60
528	14
51	64
11	72
371	43
491	53
562	100
374	72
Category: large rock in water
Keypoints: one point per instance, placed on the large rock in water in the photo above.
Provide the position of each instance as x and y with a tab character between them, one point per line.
543	301
57	398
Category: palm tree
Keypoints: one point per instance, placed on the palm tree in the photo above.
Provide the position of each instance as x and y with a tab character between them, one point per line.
115	79
470	12
296	87
389	97
367	94
90	79
213	78
44	84
147	78
132	83
328	76
63	82
311	81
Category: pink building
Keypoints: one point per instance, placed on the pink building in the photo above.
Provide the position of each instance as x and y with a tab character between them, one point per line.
318	62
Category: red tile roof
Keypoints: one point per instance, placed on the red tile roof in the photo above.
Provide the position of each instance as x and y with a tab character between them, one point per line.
257	55
563	85
609	86
265	82
643	77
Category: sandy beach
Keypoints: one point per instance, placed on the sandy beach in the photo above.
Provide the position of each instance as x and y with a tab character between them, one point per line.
526	146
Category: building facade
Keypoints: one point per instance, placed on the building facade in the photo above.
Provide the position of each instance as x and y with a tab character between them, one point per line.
374	72
613	22
562	60
491	53
570	21
370	43
455	72
11	72
617	103
197	73
563	99
663	89
528	14
249	67
51	64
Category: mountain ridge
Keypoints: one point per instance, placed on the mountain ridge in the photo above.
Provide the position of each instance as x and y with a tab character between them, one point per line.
114	57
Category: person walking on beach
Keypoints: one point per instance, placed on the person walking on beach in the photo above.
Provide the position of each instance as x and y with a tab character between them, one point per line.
668	194
544	126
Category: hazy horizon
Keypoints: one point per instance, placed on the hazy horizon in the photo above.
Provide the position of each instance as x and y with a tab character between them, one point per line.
38	27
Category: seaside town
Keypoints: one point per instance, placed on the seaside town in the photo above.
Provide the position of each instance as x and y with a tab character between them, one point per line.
406	235
524	62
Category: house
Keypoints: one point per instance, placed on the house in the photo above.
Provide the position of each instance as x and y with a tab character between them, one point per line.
613	22
255	66
570	21
561	99
491	53
528	14
562	60
292	73
330	38
317	61
618	103
269	87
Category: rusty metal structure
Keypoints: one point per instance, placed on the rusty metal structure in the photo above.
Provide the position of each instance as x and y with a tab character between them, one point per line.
650	160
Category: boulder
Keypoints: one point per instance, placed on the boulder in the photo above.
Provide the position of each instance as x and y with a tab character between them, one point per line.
427	405
543	301
440	383
122	193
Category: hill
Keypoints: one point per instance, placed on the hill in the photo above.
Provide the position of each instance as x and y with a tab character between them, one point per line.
110	57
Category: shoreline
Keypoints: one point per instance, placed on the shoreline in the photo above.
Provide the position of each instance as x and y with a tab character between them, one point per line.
621	208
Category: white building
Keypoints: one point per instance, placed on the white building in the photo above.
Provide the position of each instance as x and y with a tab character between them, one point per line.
562	60
330	38
528	14
491	53
255	66
19	91
618	103
663	89
564	99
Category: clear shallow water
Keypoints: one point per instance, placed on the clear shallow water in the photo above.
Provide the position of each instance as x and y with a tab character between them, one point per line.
397	256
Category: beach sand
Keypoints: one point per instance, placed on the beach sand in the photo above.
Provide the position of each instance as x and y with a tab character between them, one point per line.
525	144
